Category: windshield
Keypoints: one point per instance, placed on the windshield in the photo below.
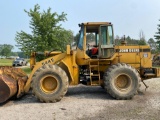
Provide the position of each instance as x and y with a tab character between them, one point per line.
80	43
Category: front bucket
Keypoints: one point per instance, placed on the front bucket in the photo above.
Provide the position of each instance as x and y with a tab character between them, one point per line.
8	88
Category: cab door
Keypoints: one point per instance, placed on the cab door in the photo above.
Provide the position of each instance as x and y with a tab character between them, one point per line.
81	56
106	42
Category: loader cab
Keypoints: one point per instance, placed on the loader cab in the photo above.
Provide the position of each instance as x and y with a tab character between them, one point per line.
96	41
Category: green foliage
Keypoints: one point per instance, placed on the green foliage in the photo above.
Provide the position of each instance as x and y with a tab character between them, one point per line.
46	32
129	40
14	54
157	36
153	46
90	37
142	42
5	50
151	41
76	38
22	55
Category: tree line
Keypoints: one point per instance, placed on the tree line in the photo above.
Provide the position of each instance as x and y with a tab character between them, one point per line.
6	51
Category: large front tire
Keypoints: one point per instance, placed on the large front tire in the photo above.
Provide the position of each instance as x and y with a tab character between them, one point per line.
121	81
49	83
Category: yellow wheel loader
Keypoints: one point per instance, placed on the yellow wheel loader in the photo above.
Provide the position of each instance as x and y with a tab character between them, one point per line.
119	69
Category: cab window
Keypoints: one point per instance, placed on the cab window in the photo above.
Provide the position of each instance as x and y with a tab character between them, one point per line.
107	35
80	43
110	33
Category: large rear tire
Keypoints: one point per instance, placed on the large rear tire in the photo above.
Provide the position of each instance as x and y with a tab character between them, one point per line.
49	83
121	81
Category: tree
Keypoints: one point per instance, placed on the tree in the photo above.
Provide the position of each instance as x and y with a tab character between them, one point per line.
14	54
1	47
151	41
117	40
76	38
157	36
153	45
46	32
22	55
128	39
5	50
142	40
90	37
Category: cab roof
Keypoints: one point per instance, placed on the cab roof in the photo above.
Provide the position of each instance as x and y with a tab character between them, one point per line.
94	26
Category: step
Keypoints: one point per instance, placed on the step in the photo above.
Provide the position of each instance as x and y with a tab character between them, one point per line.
94	60
149	74
95	74
93	65
95	84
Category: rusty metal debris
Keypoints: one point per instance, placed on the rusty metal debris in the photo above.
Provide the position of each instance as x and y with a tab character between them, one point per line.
12	81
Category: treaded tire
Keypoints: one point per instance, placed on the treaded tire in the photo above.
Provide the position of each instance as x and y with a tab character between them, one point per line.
42	83
121	81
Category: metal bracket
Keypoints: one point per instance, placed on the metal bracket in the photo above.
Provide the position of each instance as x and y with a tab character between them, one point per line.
145	85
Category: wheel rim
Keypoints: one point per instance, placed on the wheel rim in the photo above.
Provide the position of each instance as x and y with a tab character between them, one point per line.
49	84
123	82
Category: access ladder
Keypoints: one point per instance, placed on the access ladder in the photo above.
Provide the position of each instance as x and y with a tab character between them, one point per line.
94	66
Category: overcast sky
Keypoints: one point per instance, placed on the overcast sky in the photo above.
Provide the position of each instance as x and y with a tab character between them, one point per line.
129	17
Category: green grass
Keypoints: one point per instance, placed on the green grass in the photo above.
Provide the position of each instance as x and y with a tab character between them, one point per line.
27	70
6	62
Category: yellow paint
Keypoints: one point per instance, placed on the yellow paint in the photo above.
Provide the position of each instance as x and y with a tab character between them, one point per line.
52	60
136	56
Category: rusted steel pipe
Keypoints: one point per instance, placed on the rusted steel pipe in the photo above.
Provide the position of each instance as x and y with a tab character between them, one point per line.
8	88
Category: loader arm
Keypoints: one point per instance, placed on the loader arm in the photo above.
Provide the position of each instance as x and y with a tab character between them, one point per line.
50	60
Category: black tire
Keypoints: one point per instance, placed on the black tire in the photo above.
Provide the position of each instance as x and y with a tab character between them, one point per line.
49	83
121	81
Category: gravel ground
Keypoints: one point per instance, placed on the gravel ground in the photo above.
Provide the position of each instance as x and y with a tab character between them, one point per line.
87	103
